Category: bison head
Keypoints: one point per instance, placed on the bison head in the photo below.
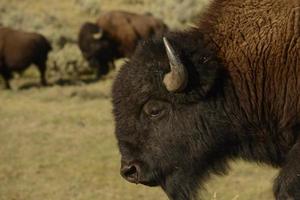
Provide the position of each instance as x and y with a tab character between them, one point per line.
96	45
170	123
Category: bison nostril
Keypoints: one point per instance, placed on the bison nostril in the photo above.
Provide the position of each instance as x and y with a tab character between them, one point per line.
130	173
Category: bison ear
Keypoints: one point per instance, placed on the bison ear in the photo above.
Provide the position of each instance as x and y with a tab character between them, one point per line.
176	80
98	35
209	74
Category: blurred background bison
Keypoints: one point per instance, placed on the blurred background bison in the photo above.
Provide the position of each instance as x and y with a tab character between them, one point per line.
115	35
57	142
19	49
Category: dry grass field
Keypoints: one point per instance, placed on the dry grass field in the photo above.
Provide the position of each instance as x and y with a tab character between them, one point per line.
57	142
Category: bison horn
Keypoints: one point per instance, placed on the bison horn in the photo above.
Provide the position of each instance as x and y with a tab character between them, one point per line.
176	79
98	35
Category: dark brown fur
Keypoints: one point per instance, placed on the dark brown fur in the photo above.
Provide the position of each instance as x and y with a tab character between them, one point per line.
19	49
241	101
267	88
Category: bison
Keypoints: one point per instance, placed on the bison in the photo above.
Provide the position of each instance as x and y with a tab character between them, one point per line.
116	35
188	103
19	49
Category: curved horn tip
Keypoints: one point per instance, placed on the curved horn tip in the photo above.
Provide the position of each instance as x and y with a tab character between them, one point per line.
165	40
98	35
167	44
176	79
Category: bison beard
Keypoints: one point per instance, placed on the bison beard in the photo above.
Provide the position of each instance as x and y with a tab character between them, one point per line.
186	104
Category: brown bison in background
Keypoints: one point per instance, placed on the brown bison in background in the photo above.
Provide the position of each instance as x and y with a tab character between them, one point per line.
19	49
188	103
116	35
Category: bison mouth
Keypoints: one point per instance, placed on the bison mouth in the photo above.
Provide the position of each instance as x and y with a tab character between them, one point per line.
136	173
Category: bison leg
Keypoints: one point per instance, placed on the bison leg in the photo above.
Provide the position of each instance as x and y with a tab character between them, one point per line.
6	74
42	70
287	185
102	70
112	65
7	84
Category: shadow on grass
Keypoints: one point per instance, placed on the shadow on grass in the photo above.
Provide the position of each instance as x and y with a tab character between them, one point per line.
59	82
70	82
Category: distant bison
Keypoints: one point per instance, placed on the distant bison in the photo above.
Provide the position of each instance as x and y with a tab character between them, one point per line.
186	104
19	49
116	35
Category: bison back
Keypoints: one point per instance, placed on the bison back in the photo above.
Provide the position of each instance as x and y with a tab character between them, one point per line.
127	29
19	49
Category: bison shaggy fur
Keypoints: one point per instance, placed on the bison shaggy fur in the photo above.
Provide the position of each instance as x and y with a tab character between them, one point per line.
237	95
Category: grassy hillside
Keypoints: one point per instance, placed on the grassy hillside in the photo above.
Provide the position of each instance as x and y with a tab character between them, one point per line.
57	143
60	20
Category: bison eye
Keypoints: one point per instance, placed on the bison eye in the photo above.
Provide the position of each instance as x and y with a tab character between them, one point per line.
154	108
